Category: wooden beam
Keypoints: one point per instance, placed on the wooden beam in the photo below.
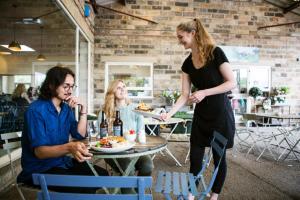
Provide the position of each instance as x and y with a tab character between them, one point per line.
124	13
291	7
284	24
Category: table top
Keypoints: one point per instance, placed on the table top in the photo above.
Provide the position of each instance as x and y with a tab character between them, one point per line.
151	121
153	145
283	116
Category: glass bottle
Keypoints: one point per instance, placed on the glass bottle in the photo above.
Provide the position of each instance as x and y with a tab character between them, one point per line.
103	127
118	125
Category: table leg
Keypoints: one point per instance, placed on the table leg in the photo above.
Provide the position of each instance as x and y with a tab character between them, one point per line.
96	174
152	130
170	154
129	168
172	131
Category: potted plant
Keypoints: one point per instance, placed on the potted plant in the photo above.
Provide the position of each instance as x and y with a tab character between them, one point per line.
279	94
170	96
255	92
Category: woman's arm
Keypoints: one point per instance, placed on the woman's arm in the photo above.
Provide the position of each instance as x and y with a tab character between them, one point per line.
185	92
229	84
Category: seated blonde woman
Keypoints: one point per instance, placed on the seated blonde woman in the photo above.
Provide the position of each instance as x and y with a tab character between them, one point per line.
116	98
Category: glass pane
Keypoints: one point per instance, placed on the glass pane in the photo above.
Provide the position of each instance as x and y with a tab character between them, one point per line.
137	77
83	68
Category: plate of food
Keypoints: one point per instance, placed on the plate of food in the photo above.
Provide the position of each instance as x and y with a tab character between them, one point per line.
147	111
112	144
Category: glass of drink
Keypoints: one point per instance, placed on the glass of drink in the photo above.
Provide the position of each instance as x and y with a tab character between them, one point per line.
92	131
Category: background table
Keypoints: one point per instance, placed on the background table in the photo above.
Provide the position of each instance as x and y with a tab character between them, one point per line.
155	123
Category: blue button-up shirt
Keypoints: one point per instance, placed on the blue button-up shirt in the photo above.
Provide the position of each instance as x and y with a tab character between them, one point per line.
44	126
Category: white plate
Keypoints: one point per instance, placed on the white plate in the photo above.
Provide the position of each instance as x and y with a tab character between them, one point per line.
148	114
113	150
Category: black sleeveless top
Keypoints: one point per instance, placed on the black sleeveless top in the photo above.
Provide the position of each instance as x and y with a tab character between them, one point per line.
213	112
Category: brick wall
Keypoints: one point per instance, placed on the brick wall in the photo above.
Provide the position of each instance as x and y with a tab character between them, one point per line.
230	23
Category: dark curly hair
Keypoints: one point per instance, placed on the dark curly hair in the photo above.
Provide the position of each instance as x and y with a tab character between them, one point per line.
54	78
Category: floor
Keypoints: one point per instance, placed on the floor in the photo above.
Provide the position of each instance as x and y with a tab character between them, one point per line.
246	178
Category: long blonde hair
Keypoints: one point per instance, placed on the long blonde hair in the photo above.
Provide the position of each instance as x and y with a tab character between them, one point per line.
109	106
203	39
19	90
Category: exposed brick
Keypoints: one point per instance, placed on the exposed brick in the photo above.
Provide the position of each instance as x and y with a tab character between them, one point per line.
182	4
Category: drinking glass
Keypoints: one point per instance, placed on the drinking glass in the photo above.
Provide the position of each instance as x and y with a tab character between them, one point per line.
92	131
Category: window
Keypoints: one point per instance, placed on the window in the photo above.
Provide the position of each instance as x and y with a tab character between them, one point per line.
138	77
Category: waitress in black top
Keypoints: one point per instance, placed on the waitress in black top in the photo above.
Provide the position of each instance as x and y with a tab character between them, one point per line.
207	68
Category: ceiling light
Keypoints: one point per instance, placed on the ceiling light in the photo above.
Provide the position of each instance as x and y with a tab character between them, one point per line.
41	57
14	45
23	47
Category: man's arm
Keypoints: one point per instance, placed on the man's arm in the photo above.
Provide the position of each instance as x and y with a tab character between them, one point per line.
77	149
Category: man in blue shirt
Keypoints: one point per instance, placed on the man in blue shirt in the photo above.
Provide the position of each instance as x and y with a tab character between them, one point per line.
48	123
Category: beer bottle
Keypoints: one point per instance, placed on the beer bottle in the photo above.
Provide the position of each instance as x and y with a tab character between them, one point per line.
103	127
118	125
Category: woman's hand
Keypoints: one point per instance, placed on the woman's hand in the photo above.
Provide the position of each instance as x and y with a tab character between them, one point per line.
80	151
165	116
197	96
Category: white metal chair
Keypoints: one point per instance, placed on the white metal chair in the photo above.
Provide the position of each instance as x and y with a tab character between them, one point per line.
9	146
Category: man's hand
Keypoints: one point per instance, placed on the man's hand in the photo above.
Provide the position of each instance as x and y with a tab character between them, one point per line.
73	101
80	151
197	96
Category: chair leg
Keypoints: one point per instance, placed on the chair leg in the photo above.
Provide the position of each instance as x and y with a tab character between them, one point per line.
187	156
20	192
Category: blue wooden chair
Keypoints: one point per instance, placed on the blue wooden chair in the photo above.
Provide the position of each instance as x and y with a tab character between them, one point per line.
44	180
181	184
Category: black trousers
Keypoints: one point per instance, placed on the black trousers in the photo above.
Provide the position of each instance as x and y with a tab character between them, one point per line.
79	168
196	157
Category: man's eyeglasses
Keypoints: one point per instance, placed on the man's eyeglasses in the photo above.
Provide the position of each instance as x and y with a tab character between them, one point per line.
67	87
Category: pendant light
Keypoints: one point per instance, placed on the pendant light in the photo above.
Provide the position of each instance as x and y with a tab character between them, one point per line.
14	45
41	57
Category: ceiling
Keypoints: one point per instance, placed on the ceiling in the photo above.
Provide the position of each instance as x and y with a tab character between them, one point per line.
287	6
58	31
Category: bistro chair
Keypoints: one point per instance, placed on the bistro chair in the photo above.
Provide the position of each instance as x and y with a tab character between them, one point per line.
289	143
10	146
45	180
181	184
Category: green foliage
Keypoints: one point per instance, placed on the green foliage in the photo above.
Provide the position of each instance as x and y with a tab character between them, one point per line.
255	92
171	95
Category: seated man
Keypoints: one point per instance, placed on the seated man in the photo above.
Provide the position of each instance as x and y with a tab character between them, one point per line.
48	123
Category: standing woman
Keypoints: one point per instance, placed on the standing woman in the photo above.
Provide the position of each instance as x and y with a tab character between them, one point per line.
207	68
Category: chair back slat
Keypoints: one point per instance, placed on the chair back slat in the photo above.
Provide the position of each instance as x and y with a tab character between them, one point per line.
217	148
184	185
141	188
159	181
77	196
176	183
92	181
11	145
12	135
220	138
45	180
192	184
168	182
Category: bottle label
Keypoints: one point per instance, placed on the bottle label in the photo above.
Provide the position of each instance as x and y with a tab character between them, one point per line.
103	132
117	130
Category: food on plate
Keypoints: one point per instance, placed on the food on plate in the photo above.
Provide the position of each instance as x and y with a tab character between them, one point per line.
112	142
144	107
